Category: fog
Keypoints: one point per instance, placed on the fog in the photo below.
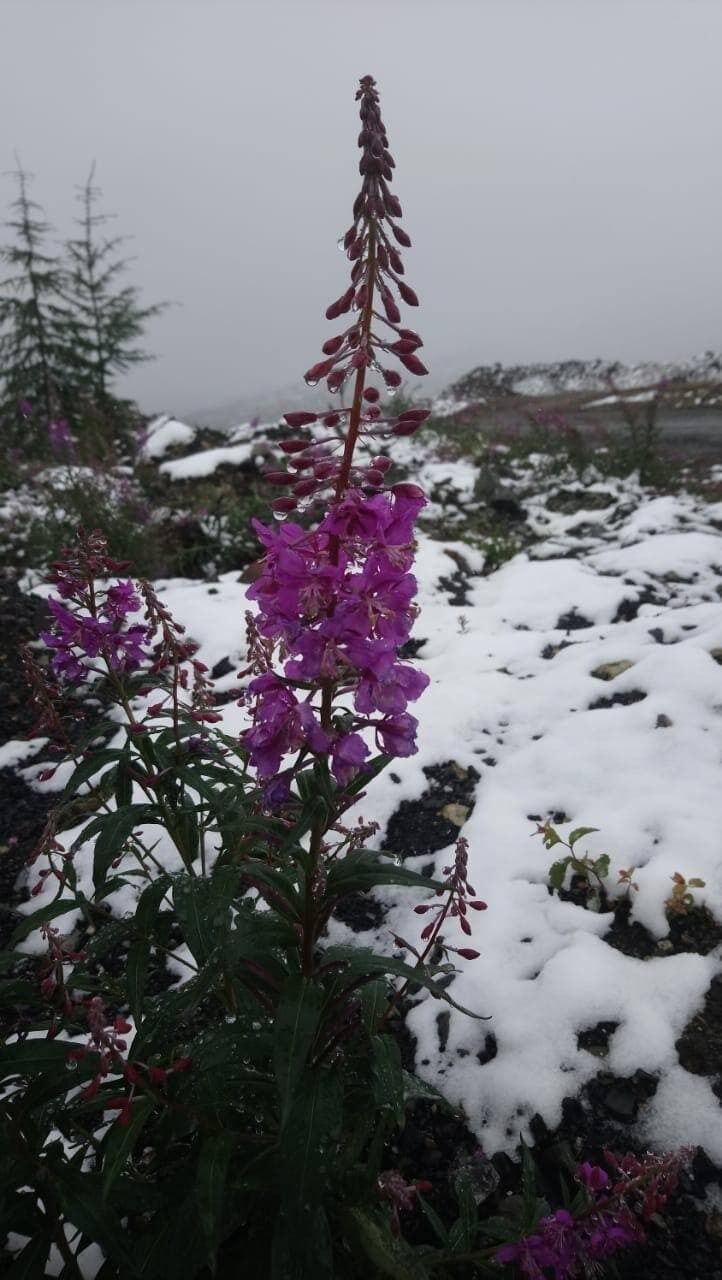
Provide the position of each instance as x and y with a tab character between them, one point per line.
558	162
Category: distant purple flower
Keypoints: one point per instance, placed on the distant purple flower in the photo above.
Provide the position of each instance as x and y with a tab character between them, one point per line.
77	636
61	438
25	409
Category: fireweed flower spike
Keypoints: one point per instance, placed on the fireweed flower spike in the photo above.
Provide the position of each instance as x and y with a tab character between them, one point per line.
338	600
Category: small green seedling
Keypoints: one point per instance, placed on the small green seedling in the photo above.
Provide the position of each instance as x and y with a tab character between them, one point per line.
584	866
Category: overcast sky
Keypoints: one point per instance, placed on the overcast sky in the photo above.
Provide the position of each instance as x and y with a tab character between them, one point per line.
559	163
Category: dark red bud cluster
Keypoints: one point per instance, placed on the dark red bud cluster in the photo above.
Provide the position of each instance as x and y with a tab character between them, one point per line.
376	266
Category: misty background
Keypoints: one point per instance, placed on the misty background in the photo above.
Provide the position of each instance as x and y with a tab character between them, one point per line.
559	163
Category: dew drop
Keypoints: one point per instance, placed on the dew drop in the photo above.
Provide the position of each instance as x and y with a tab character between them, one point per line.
340	244
311	382
71	1064
280	515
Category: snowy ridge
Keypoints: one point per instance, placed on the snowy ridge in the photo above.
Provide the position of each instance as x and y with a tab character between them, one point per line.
542	379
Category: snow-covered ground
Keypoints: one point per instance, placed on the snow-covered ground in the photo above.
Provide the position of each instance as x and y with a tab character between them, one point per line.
512	693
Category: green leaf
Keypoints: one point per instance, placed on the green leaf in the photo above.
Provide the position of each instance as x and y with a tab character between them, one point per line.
202	908
578	832
463	1232
27	1057
433	1219
551	837
387	1076
374	1003
558	871
601	865
361	962
389	1254
80	1197
226	1061
296	1023
123	782
301	1244
211	1179
415	1087
112	831
58	907
160	1024
119	1144
276	885
88	767
357	872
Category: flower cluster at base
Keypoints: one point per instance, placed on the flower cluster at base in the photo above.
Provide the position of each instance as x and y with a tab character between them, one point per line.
338	603
571	1243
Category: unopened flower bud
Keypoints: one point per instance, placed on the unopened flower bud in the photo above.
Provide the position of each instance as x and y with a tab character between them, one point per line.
371	394
300	419
413	364
314	374
293	446
408	295
417	415
468	953
332	345
284	504
277	477
340	306
401	236
392	312
331	419
393	205
391	377
304	487
336	380
395	260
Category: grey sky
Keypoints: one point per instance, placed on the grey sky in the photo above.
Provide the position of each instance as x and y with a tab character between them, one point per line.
559	163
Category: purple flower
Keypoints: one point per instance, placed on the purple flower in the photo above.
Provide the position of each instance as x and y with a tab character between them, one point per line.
339	600
348	755
25	409
61	438
77	636
530	1255
120	599
592	1176
396	735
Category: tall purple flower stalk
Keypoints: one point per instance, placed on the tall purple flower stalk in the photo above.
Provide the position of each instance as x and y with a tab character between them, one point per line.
336	601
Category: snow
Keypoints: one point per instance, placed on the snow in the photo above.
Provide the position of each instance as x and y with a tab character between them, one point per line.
640	398
165	433
196	465
508	699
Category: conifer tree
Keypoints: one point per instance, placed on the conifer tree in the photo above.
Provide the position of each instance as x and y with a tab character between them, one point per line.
30	312
103	320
